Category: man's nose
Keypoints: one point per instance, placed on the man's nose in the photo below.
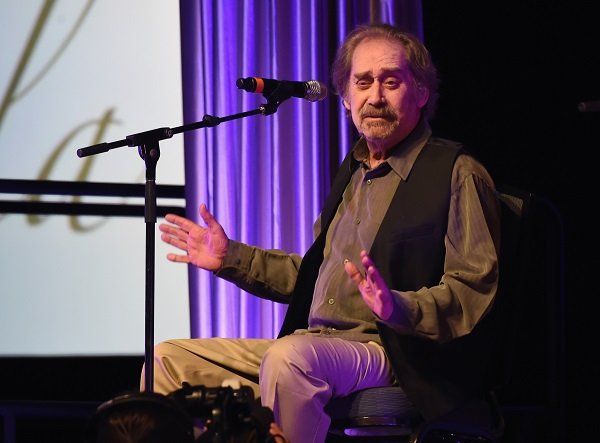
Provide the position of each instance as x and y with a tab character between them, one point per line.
376	96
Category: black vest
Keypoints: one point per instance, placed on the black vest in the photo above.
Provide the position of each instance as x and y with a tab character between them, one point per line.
408	249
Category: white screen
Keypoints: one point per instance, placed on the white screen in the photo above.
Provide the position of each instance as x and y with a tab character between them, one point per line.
71	289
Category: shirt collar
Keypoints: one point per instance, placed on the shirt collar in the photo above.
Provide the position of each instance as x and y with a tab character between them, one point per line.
404	154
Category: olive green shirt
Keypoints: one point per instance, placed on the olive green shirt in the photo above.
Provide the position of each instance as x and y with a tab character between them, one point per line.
450	309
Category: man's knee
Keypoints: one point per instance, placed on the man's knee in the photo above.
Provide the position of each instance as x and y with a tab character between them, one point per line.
163	382
164	349
289	356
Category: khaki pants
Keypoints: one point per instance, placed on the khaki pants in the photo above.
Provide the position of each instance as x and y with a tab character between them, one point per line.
298	374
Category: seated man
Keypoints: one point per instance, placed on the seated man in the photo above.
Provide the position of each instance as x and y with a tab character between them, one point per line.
406	242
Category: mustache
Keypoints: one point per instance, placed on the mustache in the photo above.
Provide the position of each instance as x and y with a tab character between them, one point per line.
385	113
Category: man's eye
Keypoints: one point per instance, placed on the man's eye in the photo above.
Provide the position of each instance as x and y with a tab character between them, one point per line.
363	83
392	83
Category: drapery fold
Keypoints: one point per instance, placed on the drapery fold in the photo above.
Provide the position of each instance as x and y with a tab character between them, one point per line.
264	178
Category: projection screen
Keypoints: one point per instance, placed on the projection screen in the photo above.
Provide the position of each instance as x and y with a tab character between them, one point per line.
72	73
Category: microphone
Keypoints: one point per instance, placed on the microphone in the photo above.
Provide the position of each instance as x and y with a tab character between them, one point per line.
280	90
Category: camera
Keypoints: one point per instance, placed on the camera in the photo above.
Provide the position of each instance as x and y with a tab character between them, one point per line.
224	414
225	411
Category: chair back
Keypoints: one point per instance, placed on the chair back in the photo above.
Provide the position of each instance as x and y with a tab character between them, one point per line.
487	356
531	387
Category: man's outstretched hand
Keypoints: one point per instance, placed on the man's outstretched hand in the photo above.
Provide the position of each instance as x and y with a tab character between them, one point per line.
372	287
204	247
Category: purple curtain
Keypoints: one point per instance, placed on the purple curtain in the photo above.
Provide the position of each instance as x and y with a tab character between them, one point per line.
263	177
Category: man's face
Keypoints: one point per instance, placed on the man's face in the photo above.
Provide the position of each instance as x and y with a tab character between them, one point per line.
382	96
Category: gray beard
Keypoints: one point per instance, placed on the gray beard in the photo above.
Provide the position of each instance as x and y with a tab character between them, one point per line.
378	130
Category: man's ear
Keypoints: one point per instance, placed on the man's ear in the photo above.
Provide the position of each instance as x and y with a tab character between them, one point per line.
346	104
422	95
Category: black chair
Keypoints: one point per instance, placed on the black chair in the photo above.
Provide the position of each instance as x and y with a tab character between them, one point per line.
387	414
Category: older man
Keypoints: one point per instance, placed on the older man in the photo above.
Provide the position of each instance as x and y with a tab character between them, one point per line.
407	241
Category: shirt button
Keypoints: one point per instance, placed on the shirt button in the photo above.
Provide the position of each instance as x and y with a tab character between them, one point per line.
369	181
331	301
357	221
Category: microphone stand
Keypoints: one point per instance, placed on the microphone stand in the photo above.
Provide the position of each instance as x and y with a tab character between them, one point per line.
148	148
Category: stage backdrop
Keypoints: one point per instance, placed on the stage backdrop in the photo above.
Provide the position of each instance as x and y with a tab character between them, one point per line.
73	286
264	177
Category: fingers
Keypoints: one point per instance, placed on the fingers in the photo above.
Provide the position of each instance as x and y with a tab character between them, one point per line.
179	244
183	234
180	228
182	222
173	236
277	434
178	258
373	273
380	301
177	234
187	224
171	231
207	217
366	260
353	272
